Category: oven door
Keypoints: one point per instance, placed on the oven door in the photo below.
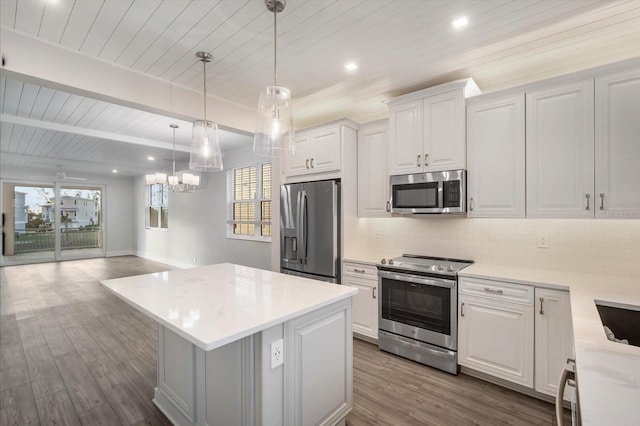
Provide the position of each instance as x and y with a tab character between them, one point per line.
419	307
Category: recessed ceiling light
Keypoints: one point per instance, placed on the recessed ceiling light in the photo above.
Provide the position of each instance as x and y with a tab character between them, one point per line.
150	158
351	66
114	171
460	23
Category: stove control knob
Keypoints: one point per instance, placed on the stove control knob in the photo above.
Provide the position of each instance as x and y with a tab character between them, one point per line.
440	267
383	261
390	262
450	268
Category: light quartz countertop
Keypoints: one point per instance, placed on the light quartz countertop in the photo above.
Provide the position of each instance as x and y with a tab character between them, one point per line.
608	372
213	305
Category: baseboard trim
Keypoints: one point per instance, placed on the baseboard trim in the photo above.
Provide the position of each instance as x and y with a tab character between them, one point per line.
506	384
171	262
116	253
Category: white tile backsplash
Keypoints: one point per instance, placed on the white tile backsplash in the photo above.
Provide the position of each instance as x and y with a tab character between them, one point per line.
580	245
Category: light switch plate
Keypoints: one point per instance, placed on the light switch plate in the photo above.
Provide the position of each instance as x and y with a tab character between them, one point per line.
543	240
277	353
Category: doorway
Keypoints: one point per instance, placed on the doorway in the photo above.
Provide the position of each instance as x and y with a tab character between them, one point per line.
44	223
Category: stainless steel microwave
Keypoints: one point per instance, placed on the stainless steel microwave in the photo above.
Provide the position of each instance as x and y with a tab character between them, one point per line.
435	193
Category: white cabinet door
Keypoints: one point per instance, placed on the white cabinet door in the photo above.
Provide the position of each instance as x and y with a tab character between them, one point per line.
554	337
324	150
496	156
617	145
496	338
373	180
444	132
298	162
405	138
560	157
365	306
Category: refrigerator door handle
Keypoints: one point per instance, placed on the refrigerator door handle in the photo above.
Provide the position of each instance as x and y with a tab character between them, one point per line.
298	227
304	226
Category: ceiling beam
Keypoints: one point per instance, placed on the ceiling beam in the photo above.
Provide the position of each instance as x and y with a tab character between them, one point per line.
28	59
100	134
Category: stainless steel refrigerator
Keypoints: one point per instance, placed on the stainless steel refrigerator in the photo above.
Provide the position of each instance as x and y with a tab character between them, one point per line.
310	230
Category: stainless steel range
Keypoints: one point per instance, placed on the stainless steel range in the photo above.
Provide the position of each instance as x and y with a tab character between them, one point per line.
418	302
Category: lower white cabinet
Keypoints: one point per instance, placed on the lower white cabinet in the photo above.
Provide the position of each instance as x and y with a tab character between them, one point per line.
496	338
364	277
554	337
519	333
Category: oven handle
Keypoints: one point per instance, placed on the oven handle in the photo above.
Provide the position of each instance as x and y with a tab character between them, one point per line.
436	282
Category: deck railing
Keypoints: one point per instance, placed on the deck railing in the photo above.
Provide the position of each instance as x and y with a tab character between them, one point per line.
43	239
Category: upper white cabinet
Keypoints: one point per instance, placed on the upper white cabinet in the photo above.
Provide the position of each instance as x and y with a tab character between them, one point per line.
496	156
373	182
560	144
617	146
427	129
554	337
318	149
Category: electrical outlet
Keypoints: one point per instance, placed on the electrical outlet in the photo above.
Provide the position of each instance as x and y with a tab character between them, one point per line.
377	233
543	240
277	353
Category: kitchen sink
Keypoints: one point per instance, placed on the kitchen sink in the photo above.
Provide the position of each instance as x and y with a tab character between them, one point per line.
623	321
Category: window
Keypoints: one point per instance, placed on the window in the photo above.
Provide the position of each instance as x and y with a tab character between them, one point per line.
158	206
249	194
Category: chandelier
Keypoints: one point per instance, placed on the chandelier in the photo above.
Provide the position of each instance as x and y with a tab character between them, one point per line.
189	182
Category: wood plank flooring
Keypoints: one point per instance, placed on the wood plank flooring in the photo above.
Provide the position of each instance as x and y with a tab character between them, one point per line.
73	354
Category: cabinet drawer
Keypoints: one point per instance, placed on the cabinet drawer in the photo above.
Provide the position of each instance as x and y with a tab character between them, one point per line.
496	290
360	270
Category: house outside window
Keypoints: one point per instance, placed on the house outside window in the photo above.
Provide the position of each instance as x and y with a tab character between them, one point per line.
158	206
249	202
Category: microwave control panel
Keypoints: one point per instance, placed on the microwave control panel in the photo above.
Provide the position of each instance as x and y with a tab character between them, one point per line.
451	193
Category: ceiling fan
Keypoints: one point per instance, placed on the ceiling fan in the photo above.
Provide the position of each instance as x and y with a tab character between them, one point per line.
60	177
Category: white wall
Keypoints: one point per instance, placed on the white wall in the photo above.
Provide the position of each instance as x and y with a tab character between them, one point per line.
587	245
118	204
197	224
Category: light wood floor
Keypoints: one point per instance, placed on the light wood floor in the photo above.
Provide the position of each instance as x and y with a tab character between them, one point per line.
71	353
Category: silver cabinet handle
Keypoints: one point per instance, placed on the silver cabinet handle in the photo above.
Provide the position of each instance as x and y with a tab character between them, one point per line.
426	159
418	161
462	309
493	290
388	207
471	203
587	196
312	163
360	271
541	303
373	292
307	163
602	201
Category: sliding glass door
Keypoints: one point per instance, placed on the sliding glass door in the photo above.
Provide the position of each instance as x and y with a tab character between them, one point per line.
43	223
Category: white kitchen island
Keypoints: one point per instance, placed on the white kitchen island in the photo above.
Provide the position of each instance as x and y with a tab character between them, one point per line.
218	327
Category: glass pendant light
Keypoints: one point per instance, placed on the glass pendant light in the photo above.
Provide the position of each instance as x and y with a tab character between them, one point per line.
205	145
274	125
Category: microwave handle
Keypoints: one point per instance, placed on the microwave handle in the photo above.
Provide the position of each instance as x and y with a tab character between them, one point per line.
440	194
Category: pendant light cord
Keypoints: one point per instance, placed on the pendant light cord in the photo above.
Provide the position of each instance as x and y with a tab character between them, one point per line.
275	42
204	65
174	151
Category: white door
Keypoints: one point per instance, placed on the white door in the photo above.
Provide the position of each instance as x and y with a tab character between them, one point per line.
496	157
324	150
617	145
444	132
496	338
560	169
554	337
298	161
373	179
406	154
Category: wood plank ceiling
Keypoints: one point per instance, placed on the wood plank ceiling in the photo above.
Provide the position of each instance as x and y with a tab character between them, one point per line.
400	46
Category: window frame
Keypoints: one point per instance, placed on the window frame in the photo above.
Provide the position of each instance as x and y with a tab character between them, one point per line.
148	205
258	200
